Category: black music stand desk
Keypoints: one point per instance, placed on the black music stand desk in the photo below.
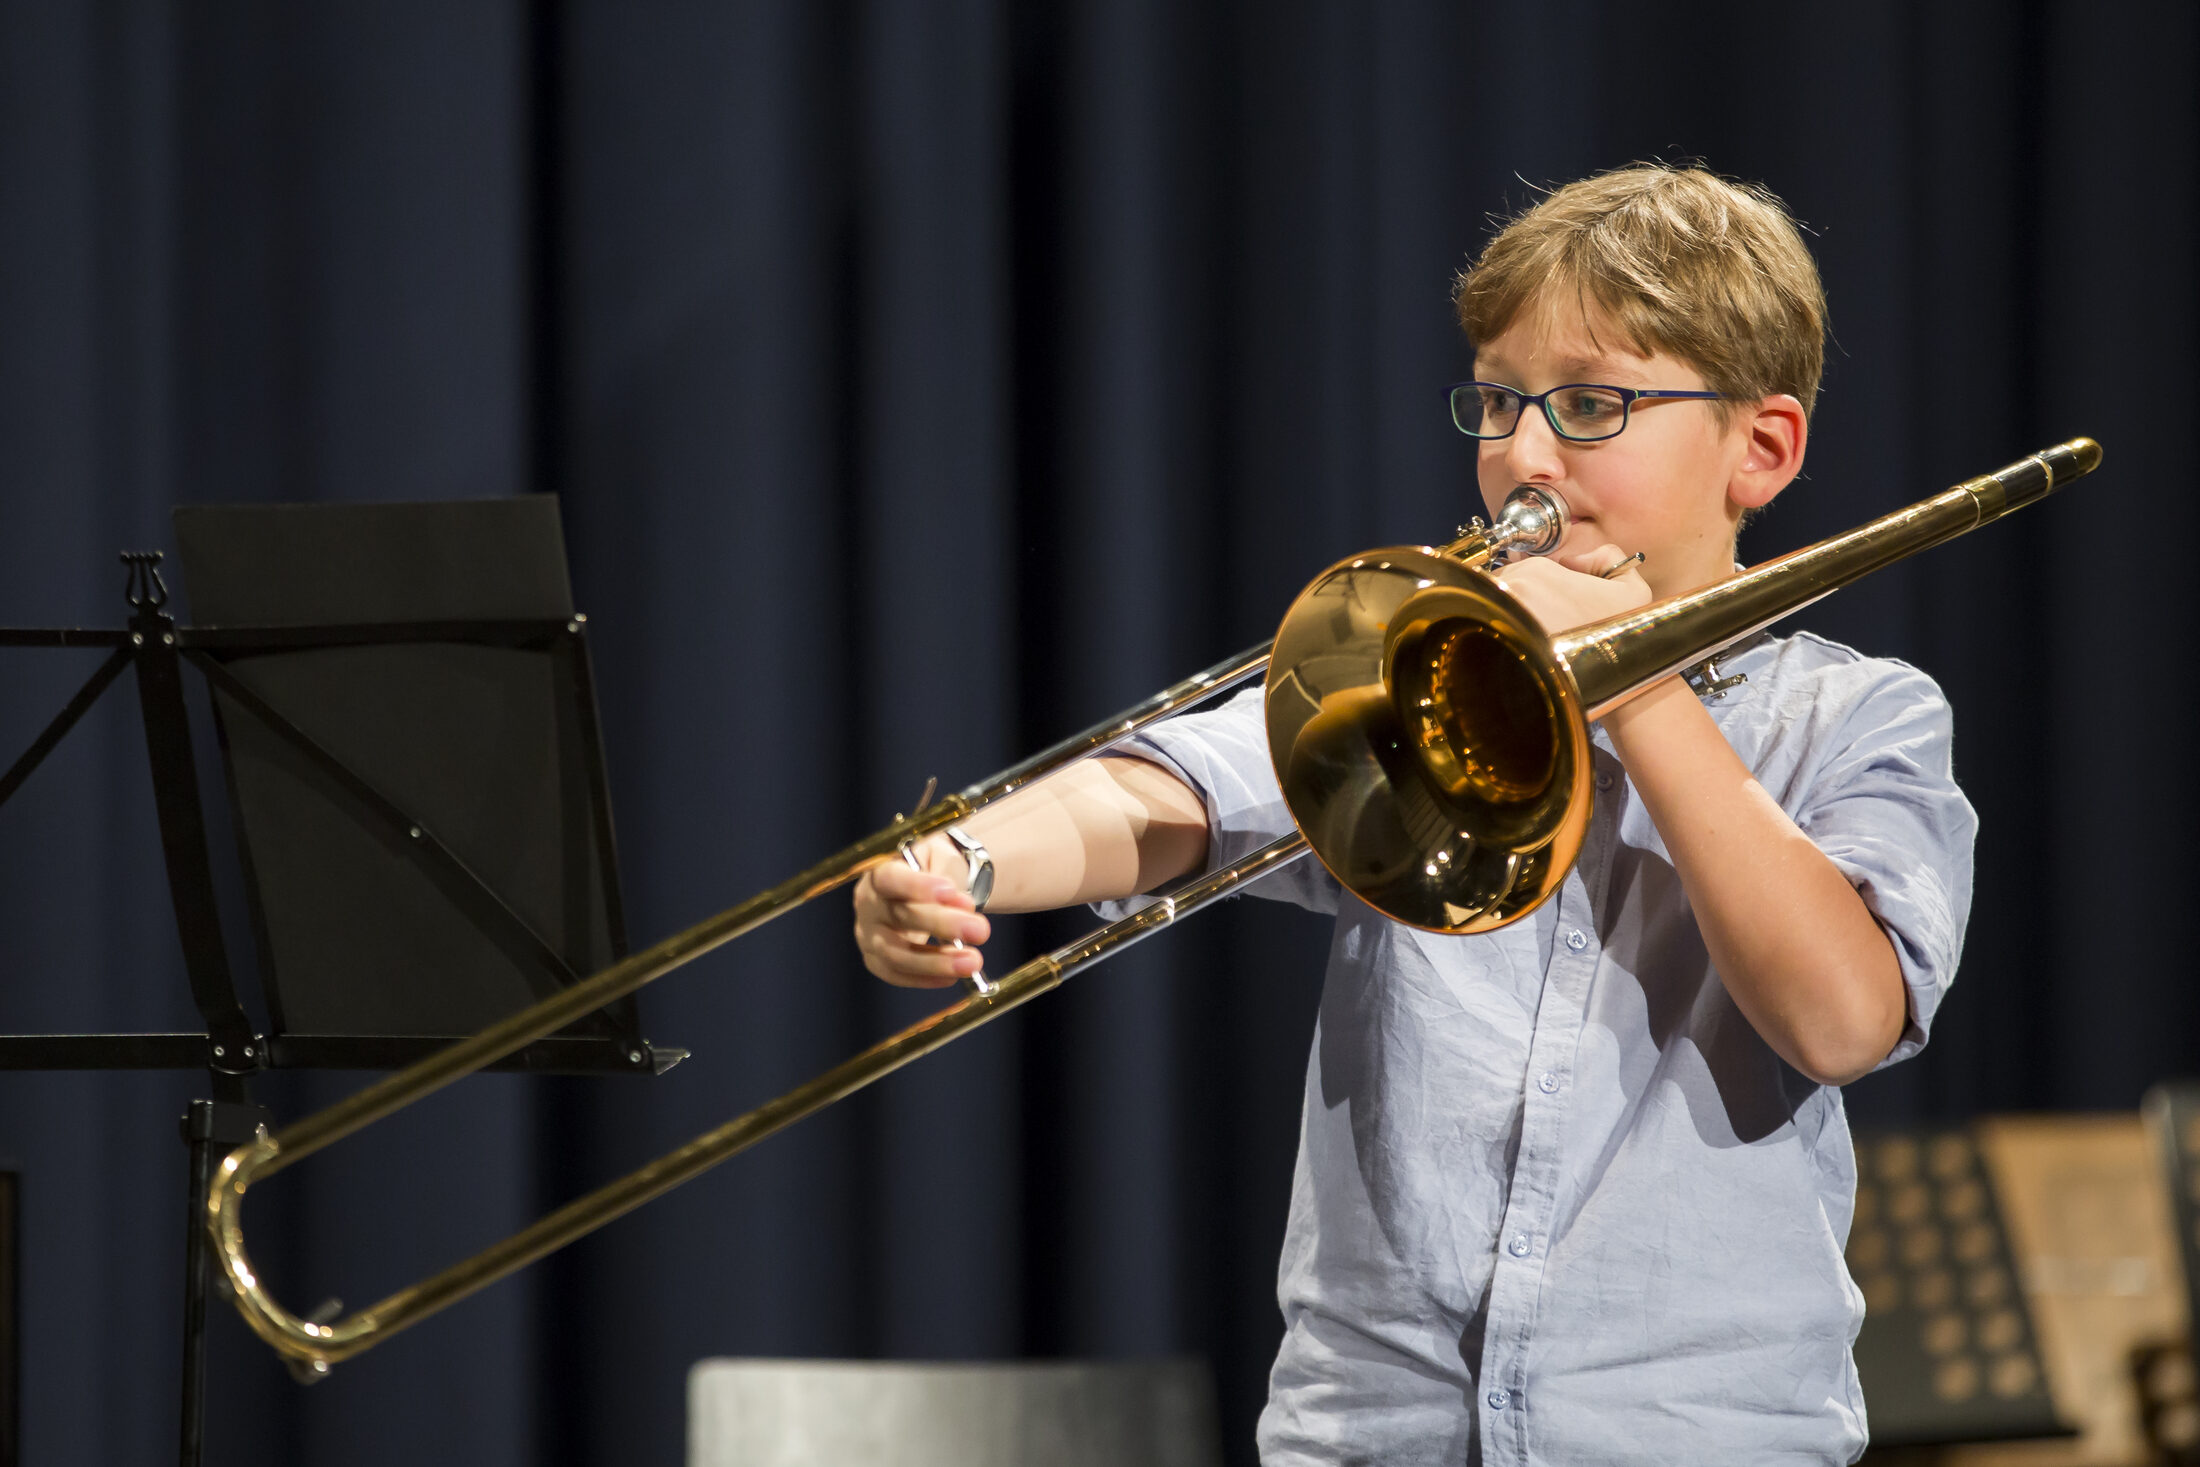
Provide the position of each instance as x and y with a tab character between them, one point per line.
414	776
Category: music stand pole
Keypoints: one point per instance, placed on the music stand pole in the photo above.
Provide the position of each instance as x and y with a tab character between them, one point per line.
212	1129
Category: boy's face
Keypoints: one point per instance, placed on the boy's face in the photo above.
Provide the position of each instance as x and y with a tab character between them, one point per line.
1660	487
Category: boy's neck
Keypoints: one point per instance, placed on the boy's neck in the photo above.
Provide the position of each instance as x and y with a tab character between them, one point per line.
1680	579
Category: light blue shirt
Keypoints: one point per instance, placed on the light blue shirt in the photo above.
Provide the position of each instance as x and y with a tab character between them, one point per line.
1556	1201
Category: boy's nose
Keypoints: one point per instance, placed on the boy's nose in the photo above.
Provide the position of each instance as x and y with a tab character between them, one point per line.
1532	452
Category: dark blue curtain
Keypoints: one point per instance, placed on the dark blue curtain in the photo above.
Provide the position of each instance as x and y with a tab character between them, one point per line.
924	379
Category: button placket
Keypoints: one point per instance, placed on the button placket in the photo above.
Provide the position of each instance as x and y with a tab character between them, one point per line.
1518	1278
1517	1281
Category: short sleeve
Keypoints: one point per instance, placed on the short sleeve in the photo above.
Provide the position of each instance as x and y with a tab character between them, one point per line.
1222	753
1885	808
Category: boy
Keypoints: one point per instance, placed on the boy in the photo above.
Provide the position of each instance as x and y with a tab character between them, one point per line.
1576	1191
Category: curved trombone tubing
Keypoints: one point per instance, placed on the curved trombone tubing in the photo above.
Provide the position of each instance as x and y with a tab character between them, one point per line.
318	1346
1602	664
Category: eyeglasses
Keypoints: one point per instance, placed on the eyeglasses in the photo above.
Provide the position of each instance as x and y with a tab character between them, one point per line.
1582	412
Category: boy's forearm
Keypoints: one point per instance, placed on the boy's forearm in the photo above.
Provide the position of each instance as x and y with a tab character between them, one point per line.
1802	956
1101	830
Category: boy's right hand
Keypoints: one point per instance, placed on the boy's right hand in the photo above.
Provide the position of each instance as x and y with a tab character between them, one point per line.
898	907
1572	589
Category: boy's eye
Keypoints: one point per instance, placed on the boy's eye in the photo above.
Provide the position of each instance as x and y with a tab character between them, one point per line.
1587	405
1499	402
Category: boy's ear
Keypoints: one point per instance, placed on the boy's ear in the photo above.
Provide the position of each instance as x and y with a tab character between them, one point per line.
1773	455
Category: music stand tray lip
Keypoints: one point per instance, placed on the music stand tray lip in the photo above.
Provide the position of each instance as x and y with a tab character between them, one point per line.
572	1055
219	636
490	632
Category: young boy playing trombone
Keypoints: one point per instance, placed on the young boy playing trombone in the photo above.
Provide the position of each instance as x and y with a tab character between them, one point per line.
1576	1190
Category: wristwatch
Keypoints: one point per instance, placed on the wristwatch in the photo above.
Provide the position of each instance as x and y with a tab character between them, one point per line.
978	885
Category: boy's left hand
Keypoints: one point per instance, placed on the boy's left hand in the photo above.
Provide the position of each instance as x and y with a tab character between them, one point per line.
1569	589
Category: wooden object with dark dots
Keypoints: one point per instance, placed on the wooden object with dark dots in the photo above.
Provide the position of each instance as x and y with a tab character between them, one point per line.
2083	1206
2168	1391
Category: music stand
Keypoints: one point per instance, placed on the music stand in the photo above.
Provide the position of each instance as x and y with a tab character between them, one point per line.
410	747
1949	1352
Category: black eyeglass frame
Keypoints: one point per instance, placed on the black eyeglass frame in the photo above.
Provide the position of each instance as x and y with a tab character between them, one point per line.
1628	397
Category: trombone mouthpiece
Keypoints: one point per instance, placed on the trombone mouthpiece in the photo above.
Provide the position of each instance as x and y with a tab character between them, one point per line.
1533	520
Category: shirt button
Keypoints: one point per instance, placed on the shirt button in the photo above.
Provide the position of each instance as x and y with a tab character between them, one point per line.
1499	1400
1518	1247
1547	1083
1604	779
1577	939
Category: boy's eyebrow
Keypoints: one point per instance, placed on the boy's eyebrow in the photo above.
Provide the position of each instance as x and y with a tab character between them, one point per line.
1570	369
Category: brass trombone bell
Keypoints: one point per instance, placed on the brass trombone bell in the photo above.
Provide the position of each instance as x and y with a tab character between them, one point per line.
1427	745
1431	741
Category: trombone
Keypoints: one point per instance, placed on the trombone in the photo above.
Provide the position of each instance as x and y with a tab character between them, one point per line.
1432	745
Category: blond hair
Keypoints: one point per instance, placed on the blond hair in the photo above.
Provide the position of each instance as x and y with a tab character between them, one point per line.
1703	268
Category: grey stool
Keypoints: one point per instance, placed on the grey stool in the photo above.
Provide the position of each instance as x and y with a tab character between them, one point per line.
854	1413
